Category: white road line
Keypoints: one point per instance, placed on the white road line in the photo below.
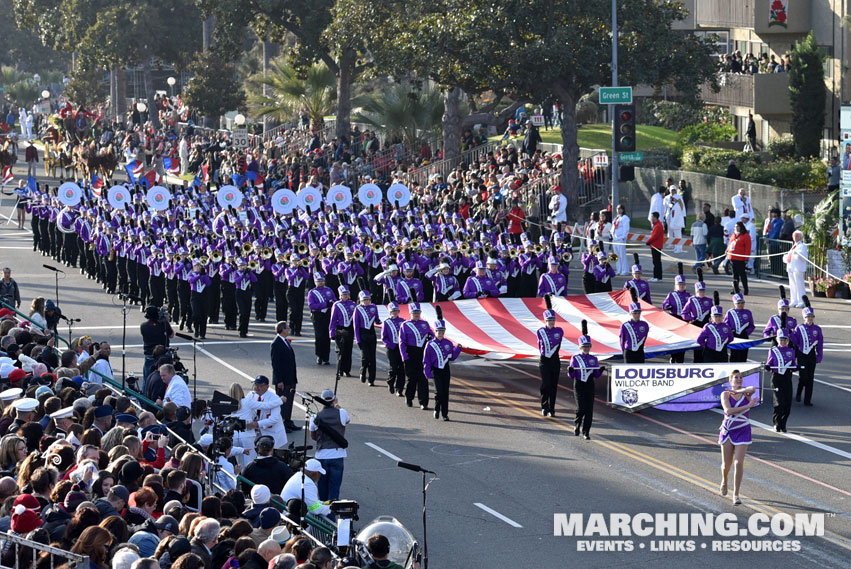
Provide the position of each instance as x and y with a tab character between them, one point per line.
219	342
827	383
104	327
386	453
15	247
497	515
799	438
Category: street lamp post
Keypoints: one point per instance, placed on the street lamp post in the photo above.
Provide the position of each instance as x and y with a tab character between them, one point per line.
171	81
239	119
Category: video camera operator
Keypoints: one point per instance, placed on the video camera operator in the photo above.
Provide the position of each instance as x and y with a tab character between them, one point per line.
156	331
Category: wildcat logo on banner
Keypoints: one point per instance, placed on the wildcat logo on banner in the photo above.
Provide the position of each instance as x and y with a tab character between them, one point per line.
777	13
633	387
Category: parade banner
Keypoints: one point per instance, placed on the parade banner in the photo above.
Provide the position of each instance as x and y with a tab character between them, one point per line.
633	387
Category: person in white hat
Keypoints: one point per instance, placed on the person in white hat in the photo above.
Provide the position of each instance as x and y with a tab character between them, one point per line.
309	476
62	420
9	395
24	412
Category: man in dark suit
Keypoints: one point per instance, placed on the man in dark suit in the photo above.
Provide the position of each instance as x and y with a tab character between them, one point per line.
284	373
204	538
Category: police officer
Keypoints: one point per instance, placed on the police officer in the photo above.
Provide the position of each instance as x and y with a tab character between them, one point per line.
365	320
340	329
320	300
413	335
436	357
549	364
584	368
781	362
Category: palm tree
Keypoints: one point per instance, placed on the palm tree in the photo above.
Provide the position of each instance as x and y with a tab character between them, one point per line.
287	93
405	111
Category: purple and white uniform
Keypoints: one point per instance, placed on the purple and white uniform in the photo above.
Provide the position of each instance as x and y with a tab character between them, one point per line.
736	428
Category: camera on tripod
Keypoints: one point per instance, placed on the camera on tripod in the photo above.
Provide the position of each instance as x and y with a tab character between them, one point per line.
224	428
293	456
345	509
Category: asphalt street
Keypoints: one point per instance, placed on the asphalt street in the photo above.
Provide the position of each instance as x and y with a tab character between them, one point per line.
503	471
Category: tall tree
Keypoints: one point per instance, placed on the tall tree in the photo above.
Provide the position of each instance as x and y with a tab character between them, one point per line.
286	93
807	93
107	33
213	89
536	48
305	20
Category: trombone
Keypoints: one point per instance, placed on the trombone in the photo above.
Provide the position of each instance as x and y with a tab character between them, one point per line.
253	264
465	247
567	257
302	248
340	247
357	255
538	249
305	263
438	247
376	247
415	244
266	252
247	248
612	258
216	256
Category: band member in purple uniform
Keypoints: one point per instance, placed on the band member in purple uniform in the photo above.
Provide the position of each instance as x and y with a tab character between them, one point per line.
809	345
781	363
413	336
675	303
366	318
634	333
390	338
436	357
549	364
584	368
716	335
641	286
740	320
340	330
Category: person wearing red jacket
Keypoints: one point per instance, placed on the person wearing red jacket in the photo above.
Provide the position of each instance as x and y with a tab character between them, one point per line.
656	242
738	252
516	219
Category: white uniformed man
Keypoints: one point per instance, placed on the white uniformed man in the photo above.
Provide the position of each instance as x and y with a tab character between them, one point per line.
620	232
310	475
796	267
266	407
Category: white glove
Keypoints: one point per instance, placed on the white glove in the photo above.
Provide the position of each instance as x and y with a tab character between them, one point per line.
503	289
454	295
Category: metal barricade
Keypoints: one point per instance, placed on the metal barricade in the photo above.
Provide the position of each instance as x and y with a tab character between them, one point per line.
27	553
772	267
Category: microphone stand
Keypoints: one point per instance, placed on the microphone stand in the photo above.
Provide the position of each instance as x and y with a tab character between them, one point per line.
306	401
423	471
56	275
124	343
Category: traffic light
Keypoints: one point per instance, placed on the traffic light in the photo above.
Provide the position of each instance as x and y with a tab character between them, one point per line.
624	125
626	174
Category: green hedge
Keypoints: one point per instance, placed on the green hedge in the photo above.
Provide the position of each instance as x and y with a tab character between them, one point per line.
784	173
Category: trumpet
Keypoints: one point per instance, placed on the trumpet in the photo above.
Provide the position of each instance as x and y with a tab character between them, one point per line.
340	246
513	253
399	248
415	244
266	252
538	249
376	247
288	257
438	247
465	247
204	260
487	248
247	248
357	255
253	264
567	257
302	248
216	256
595	248
305	263
158	255
613	258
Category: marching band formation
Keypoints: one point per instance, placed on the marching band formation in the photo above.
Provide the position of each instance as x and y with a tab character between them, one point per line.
200	255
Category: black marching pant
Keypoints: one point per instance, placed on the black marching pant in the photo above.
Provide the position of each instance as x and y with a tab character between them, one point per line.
441	389
243	304
714	356
589	283
782	386
157	286
229	305
634	356
739	355
183	293
281	304
173	299
344	338
199	312
367	355
70	248
806	374
549	369
214	293
396	371
111	269
583	391
143	274
416	380
678	358
288	395
295	302
264	291
321	336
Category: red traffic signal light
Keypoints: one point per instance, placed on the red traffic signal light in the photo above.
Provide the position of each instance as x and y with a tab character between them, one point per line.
624	128
626	116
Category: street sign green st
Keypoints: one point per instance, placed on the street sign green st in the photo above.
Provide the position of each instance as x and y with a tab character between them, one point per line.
631	156
615	95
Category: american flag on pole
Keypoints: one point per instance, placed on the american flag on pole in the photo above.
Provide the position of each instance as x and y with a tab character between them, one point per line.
505	328
97	185
172	166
